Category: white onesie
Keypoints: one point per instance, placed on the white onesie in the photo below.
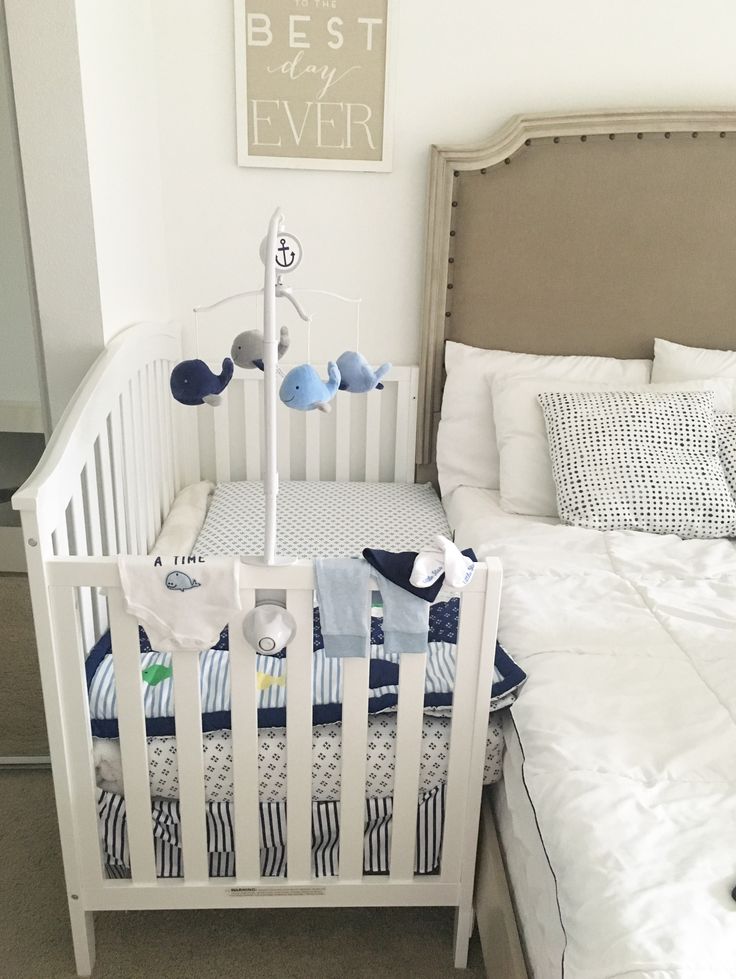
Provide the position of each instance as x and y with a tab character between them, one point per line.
182	602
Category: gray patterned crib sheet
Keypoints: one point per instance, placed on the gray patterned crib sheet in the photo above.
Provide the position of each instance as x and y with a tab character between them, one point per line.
323	519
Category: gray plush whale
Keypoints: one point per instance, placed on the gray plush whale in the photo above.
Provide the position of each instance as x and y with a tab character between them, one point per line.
247	349
178	581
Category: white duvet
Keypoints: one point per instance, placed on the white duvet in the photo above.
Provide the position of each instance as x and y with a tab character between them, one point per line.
628	728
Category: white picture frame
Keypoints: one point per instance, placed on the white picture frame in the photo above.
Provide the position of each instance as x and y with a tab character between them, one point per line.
301	15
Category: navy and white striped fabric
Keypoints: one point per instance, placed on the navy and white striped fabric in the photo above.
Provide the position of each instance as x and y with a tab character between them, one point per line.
158	699
166	820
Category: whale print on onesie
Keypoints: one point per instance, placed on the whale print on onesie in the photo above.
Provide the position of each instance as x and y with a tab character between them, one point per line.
178	581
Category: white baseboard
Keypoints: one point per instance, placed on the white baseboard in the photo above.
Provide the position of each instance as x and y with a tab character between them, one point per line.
12	551
21	416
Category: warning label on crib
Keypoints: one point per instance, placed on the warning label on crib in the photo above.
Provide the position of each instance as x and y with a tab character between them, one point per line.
304	891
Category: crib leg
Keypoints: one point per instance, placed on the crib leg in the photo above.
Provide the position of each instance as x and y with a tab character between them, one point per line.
83	936
464	924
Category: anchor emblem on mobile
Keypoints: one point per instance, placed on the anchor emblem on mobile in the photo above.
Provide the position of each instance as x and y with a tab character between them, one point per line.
282	252
288	252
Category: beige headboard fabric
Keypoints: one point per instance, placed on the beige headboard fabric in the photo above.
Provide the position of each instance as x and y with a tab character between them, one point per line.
582	234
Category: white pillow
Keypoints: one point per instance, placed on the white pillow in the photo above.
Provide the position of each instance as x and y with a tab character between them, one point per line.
675	362
625	460
526	483
466	438
185	519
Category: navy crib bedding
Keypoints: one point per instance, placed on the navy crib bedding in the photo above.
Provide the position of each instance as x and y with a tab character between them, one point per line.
157	686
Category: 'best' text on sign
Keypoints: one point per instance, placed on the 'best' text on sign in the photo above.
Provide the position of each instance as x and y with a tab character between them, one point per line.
316	78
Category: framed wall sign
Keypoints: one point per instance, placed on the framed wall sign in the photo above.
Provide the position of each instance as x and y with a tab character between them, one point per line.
313	83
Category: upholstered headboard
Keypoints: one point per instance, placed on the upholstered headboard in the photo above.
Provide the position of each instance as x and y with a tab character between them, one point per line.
581	234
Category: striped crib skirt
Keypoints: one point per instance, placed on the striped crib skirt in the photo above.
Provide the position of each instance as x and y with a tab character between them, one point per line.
166	822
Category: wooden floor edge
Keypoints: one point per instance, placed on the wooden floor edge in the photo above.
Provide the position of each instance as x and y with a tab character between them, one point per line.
494	910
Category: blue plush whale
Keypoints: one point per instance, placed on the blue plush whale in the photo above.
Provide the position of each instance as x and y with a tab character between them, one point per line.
178	581
303	389
193	383
356	374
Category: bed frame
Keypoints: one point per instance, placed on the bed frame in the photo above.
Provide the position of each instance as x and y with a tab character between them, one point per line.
104	486
575	233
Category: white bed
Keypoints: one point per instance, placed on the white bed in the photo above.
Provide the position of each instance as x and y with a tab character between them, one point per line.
618	806
559	249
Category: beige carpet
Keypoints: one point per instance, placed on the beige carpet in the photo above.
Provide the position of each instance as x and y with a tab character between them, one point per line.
35	941
22	727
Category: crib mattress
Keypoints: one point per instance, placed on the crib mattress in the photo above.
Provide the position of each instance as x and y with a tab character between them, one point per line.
323	519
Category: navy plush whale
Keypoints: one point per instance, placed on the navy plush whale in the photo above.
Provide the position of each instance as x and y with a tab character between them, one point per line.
356	374
303	389
193	383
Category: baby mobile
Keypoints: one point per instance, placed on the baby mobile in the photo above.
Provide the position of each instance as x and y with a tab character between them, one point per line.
302	389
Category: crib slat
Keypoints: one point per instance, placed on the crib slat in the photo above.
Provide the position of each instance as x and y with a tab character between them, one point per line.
79	533
461	733
372	437
401	463
412	670
284	442
299	739
93	505
171	424
312	444
354	756
119	457
91	493
74	695
252	401
157	483
61	538
167	435
108	505
244	701
342	445
136	534
133	749
188	712
222	440
149	474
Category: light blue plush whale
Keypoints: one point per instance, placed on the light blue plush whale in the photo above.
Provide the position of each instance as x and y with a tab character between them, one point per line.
178	581
356	374
304	389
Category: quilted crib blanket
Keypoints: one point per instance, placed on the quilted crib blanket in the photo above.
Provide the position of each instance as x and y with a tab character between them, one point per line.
158	689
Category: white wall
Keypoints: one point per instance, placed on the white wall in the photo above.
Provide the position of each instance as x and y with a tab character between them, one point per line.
45	64
18	370
86	103
119	98
462	69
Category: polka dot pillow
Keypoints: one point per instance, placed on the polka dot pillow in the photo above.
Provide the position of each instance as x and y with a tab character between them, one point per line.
726	431
639	461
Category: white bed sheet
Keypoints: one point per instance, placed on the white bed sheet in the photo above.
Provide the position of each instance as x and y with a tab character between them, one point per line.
627	725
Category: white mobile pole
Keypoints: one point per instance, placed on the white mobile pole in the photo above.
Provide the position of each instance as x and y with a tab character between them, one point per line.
270	358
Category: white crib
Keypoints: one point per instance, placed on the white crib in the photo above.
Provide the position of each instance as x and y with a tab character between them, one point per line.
106	482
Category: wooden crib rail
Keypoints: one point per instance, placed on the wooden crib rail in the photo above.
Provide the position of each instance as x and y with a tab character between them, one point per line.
453	885
365	437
